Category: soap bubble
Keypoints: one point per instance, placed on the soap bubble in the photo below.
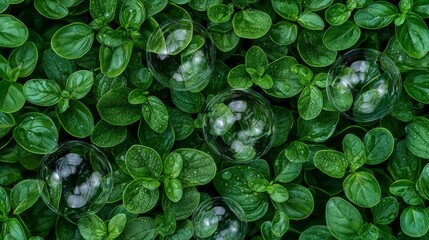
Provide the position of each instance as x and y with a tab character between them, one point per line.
181	55
219	218
76	179
239	125
364	85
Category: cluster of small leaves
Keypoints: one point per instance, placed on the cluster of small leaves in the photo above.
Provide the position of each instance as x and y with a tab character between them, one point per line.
75	69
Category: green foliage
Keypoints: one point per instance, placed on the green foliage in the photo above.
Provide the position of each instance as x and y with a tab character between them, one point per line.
76	69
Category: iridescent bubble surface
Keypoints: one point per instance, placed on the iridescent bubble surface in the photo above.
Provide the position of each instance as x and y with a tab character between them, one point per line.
77	179
364	85
219	218
239	125
181	55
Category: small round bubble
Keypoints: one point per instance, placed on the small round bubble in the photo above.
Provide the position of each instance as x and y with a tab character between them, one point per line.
76	179
219	218
364	85
181	55
239	125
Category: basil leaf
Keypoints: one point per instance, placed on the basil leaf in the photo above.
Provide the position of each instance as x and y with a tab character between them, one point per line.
103	10
376	15
362	189
318	129
24	194
116	225
160	142
103	84
416	86
403	164
79	84
285	83
288	9
107	135
173	165
379	144
155	114
343	219
51	9
414	221
42	92
173	189
331	162
355	151
251	23
283	33
11	97
138	199
72	41
238	77
186	205
25	58
13	32
114	60
297	152
139	228
182	123
13	229
188	102
316	232
286	170
300	203
4	205
151	167
203	5
337	14
115	109
280	223
385	211
198	167
254	204
311	21
411	35
77	120
220	13
310	103
92	227
132	14
154	7
422	182
36	133
313	51
56	67
341	37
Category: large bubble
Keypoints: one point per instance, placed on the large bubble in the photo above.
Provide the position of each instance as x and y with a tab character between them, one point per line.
181	55
76	179
219	218
239	125
364	85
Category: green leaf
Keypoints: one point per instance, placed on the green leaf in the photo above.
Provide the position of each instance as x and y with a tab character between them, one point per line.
114	60
24	194
222	118
259	185
256	59
116	225
132	14
173	165
311	21
72	41
355	151
341	37
79	84
254	204
107	135
417	87
13	229
220	13
139	228
318	129
184	230
278	193
362	189
203	5
155	113
173	189
283	33
297	152
150	167
51	9
13	32
386	211
300	203
285	83
423	181
288	9
313	51
316	232
56	67
187	101
418	136
285	170
166	223
182	123
379	145
238	77
414	221
138	199
331	162
412	35
36	133
403	164
160	142
343	219
225	41
4	4
337	14
310	103
280	223
4	205
251	23
77	120
11	97
103	10
198	167
154	7
92	227
42	92
376	15
421	8
115	109
186	205
24	58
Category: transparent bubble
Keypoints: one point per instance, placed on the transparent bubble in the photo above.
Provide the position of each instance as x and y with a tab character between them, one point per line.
239	125
76	179
364	85
181	55
219	218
